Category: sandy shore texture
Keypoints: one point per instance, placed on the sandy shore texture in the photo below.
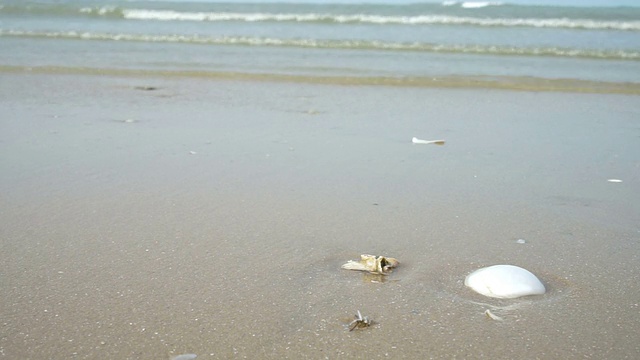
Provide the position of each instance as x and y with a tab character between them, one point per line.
144	218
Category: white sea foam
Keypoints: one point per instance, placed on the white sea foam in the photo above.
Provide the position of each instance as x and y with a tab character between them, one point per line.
103	10
479	4
170	15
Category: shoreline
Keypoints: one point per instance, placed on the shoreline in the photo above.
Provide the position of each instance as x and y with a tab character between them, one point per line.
493	82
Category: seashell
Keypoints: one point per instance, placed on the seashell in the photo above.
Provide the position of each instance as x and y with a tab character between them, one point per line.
185	357
415	140
492	316
504	282
374	264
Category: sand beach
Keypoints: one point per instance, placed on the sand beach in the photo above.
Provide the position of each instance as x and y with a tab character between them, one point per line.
144	217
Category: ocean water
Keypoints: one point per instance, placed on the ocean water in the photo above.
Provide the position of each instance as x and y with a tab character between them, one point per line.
415	44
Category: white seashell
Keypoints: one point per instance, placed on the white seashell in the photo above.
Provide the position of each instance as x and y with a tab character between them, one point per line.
415	140
185	357
614	180
504	282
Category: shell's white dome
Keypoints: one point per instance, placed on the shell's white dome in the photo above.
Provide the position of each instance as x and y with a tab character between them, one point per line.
504	282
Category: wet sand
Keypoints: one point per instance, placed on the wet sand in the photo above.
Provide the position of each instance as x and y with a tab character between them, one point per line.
212	217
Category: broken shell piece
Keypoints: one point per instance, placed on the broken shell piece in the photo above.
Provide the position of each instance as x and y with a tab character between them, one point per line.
415	140
492	316
360	322
374	264
185	357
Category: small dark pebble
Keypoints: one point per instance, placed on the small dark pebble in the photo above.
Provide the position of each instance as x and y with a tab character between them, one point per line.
146	88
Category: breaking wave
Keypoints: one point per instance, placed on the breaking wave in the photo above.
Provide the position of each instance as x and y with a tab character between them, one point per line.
478	4
338	44
429	16
171	15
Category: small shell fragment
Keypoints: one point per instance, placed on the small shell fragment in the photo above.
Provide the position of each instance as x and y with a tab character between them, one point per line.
185	357
492	316
374	264
359	322
415	140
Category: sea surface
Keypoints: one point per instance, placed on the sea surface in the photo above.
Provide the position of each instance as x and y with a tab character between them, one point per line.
545	47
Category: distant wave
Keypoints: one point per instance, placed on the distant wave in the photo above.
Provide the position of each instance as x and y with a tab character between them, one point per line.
478	4
337	18
166	15
101	10
471	4
170	15
339	44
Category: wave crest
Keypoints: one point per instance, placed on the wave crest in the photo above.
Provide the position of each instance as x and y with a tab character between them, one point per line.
171	15
339	44
478	4
101	11
471	4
